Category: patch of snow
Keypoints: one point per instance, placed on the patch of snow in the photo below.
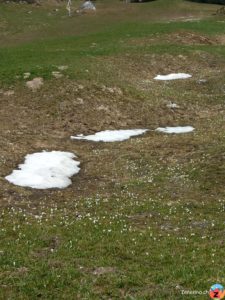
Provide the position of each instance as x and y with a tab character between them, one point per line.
173	76
178	129
45	170
110	135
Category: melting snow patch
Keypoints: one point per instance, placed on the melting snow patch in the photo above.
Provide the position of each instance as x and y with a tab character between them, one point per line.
173	76
178	129
110	135
44	170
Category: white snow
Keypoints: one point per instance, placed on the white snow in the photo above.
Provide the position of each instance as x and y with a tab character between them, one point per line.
173	76
178	129
44	170
111	135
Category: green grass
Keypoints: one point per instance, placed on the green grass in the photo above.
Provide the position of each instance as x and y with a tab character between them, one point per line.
41	58
75	47
148	257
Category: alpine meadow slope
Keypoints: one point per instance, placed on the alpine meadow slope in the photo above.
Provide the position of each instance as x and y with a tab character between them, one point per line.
142	216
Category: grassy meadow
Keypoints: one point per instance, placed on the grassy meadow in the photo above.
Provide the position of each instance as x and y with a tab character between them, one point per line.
144	218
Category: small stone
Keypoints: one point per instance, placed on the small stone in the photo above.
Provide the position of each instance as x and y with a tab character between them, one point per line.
62	68
118	91
26	75
202	81
110	90
80	101
80	87
35	84
102	107
57	74
9	93
172	105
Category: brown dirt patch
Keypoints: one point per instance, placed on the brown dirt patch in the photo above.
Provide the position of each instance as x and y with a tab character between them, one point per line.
221	39
181	38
